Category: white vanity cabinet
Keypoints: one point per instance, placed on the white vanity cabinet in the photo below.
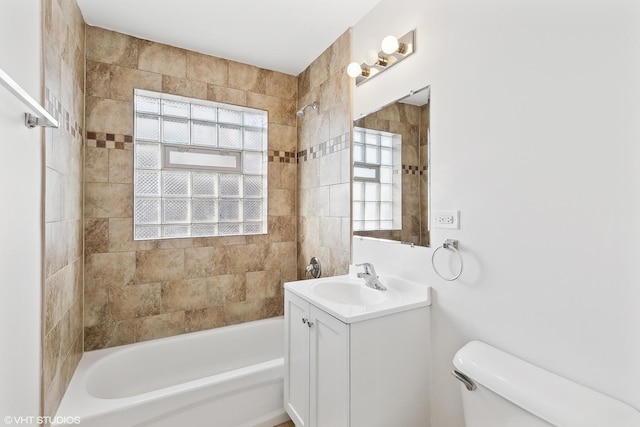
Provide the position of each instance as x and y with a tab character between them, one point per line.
368	373
317	356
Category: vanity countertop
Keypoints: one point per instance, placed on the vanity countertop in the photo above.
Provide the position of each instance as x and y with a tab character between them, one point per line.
348	299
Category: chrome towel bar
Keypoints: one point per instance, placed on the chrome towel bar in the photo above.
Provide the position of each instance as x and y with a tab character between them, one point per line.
41	117
452	245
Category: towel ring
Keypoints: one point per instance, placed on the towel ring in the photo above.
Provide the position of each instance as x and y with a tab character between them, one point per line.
448	244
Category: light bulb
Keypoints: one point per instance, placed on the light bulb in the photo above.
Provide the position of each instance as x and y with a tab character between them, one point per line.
390	44
371	58
354	70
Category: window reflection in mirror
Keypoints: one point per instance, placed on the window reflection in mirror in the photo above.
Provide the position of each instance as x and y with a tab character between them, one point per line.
377	180
390	171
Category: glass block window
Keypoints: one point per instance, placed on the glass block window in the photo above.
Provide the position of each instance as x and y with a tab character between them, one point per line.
200	168
377	180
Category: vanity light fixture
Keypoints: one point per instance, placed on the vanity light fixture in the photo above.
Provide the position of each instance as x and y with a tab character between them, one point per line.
389	44
356	70
373	58
393	51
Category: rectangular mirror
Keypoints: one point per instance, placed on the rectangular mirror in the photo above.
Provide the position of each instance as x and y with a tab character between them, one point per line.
390	171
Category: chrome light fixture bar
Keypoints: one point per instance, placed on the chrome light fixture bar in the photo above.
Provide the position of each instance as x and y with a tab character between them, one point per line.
392	51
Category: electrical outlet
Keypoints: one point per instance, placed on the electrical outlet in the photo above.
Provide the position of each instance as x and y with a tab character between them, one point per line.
446	219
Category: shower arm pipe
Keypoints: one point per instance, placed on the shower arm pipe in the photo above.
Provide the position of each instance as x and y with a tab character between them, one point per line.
40	116
314	105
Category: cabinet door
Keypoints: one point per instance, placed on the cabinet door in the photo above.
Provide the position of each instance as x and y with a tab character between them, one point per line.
296	359
329	370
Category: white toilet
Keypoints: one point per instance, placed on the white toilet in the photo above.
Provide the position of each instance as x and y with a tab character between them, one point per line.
500	390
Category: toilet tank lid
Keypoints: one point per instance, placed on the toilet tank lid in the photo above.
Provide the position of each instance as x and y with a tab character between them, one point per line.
544	394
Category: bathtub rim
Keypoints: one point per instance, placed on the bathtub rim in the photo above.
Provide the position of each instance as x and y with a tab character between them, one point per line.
87	406
97	358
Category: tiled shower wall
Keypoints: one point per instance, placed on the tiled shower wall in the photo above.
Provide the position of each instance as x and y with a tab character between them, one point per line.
63	47
324	161
141	290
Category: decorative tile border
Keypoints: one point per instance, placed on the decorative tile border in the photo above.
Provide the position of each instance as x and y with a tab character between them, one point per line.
410	170
109	140
281	156
414	170
125	142
54	107
333	145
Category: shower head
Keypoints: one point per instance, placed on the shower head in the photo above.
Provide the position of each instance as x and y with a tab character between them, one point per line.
300	112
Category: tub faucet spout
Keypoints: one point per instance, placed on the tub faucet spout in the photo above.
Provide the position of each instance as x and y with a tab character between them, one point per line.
370	277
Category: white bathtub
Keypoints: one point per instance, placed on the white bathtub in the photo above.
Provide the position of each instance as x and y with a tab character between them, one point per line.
224	377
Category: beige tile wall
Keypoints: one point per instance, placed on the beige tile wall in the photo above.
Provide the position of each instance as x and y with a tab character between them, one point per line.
63	46
136	291
409	121
324	161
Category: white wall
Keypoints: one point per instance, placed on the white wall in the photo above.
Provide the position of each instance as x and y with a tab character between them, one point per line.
20	214
535	138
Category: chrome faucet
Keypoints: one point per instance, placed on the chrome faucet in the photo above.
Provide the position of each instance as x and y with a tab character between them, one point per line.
370	277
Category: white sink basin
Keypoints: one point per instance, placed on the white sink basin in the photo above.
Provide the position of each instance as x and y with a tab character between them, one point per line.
350	300
347	293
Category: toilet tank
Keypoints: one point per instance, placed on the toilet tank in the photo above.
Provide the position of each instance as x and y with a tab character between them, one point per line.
510	392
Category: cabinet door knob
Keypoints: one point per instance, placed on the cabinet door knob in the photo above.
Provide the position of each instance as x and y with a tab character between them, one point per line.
309	324
305	320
